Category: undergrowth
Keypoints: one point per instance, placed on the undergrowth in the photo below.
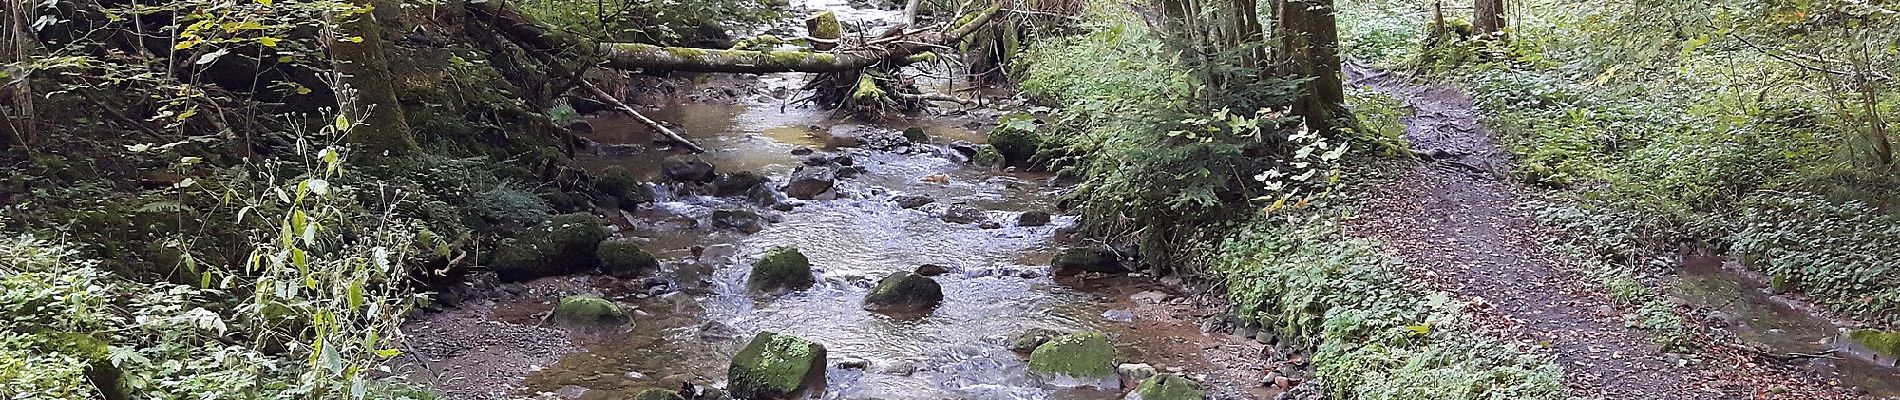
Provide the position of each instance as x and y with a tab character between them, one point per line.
1378	335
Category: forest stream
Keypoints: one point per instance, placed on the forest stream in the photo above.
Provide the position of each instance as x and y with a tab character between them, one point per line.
691	319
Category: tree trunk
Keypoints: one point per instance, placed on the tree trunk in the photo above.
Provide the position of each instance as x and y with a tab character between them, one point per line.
381	129
16	91
1311	39
1487	17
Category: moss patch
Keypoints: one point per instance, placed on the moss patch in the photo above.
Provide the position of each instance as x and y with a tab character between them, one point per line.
624	259
1087	354
782	268
589	310
1885	343
1170	387
775	366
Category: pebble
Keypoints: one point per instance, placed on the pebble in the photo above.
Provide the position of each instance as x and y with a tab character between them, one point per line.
1119	315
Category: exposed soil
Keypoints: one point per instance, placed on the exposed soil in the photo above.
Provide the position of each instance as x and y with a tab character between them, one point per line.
1458	222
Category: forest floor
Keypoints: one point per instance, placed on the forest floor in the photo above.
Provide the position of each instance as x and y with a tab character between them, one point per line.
1460	223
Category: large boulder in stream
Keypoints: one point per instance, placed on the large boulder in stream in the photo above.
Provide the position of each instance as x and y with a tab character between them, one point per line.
1086	259
904	292
687	169
563	245
781	269
777	367
623	259
589	310
808	183
1169	387
1080	355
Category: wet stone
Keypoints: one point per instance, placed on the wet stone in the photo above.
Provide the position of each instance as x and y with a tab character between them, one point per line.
912	201
1033	218
809	183
932	270
686	169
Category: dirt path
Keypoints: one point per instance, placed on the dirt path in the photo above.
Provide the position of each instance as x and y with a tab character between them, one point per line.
1456	220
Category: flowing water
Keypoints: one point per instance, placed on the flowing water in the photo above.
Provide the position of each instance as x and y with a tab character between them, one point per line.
1782	325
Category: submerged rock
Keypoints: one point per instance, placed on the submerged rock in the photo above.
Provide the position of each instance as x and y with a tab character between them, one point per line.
565	244
1170	387
904	292
810	182
623	259
589	310
686	169
1033	218
1082	355
777	367
1088	259
781	269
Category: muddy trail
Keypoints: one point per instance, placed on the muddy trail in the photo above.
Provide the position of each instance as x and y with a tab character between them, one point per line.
1459	222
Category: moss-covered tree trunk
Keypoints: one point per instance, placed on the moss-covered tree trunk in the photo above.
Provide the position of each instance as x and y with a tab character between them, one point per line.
535	36
1310	35
381	129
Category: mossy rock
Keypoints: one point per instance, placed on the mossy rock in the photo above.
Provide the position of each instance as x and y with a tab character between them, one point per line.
1086	355
776	366
658	394
565	244
1018	145
986	155
1885	343
1086	259
782	268
618	182
1170	387
904	292
625	259
589	310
